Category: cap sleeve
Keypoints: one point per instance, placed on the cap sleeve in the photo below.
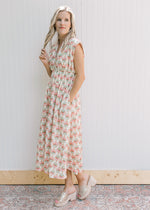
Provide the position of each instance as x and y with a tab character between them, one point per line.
76	41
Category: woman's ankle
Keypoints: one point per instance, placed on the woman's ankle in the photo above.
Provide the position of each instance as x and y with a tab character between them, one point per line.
82	179
69	188
81	176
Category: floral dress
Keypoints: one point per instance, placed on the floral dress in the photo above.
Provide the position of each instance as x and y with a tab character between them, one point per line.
59	144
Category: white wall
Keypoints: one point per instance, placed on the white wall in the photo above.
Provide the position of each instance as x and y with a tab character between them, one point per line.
115	97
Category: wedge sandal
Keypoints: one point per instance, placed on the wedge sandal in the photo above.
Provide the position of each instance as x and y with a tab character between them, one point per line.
64	198
84	190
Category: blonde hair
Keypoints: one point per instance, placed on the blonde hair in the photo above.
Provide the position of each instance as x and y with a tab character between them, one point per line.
52	28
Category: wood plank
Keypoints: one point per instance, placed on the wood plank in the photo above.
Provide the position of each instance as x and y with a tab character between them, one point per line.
102	177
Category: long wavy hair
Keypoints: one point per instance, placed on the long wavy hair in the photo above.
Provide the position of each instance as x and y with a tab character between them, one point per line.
52	29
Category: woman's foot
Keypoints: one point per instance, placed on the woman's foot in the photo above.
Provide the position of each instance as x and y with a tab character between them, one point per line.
85	186
69	189
83	180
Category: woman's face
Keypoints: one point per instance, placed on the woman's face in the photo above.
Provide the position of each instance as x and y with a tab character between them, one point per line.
63	23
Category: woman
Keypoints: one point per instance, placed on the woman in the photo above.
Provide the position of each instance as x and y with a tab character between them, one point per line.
59	148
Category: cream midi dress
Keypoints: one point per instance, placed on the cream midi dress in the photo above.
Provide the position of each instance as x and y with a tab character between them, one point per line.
59	144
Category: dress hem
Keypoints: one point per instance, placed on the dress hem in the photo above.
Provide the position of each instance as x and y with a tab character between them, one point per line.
52	177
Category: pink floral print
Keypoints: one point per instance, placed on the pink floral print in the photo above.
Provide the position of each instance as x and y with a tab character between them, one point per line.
59	145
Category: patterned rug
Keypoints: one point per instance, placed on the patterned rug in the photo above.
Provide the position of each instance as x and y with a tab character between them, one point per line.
102	197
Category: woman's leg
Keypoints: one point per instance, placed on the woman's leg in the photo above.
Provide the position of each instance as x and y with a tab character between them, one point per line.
69	189
69	186
82	178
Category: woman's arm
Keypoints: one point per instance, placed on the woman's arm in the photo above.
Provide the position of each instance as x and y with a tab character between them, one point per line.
49	71
44	58
79	69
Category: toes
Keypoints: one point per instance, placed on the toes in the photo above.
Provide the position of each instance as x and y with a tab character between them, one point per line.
78	195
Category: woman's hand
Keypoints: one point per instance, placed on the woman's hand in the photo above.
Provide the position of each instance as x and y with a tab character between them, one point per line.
44	57
71	99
